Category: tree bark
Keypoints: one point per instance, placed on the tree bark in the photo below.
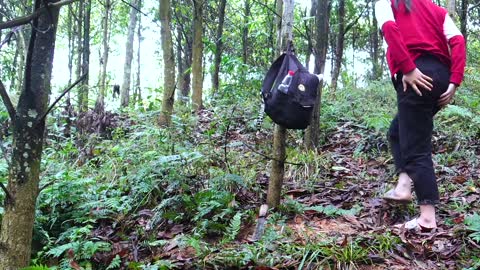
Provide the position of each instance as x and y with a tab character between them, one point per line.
280	133
451	9
21	47
339	44
197	56
79	45
169	64
375	52
322	17
87	9
127	69
218	47
278	23
464	20
100	103
245	32
138	89
23	181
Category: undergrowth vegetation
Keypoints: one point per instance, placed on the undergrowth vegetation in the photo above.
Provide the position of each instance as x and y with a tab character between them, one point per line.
187	196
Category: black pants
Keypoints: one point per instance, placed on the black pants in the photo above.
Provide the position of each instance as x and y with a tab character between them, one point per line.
410	133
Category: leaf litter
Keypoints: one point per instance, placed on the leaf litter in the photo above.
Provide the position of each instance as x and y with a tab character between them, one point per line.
348	179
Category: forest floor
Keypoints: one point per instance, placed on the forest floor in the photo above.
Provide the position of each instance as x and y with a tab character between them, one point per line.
337	221
131	195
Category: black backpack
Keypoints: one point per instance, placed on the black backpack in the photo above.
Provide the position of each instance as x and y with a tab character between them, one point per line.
292	109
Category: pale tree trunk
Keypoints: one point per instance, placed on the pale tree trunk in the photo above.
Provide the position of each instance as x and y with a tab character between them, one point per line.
138	89
218	47
278	24
280	133
79	45
375	52
322	17
86	53
169	64
21	47
451	9
339	44
187	74
182	99
246	20
197	56
29	126
127	69
309	29
100	103
71	52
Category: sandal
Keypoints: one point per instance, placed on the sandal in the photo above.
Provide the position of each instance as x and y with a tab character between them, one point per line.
392	197
413	225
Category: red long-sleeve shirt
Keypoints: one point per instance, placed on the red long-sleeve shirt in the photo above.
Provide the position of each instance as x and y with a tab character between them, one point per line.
425	29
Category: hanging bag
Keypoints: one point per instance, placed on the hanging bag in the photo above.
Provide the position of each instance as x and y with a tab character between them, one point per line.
289	91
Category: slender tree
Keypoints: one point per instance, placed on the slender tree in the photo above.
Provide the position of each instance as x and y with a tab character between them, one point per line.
339	46
374	45
322	16
218	46
280	133
197	55
138	90
246	20
169	64
28	134
464	19
100	103
127	68
278	24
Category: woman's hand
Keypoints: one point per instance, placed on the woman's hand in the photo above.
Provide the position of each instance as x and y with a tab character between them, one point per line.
447	97
416	79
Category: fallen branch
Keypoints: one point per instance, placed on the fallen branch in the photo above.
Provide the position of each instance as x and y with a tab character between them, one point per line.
61	96
7	102
27	19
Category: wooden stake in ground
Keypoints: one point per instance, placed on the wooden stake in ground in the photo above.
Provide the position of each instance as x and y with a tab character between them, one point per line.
280	133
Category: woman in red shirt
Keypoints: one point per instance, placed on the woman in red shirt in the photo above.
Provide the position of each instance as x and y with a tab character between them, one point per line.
426	56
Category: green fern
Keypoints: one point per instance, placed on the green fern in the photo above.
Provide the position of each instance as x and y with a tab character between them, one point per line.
233	229
473	224
116	262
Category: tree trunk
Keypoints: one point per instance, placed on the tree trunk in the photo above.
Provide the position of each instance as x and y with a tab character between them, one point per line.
322	17
278	23
138	90
86	53
197	56
451	9
309	29
23	181
127	69
375	52
21	47
464	20
180	66
79	45
71	53
339	44
218	47
100	103
245	32
280	133
169	64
